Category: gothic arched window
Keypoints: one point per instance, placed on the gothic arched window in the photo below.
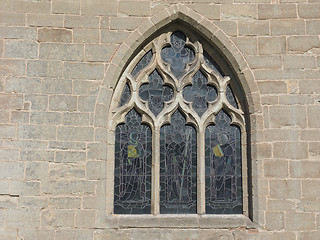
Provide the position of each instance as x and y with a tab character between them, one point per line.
177	127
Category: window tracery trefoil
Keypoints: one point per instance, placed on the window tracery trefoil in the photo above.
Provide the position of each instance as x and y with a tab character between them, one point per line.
177	128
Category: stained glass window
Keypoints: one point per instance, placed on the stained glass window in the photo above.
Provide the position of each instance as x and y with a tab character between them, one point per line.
200	93
144	61
173	130
125	96
178	171
155	93
223	167
132	183
178	54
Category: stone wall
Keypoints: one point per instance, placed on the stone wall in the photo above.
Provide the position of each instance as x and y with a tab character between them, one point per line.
59	63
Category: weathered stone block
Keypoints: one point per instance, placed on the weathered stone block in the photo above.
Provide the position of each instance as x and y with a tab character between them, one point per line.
63	103
85	218
300	221
93	71
253	28
39	20
23	218
75	133
76	119
21	49
268	11
54	35
58	51
63	6
275	168
285	116
36	170
9	155
85	36
70	156
274	220
52	86
309	10
67	171
11	170
271	45
134	8
238	12
7	131
99	7
39	68
81	22
38	102
287	27
40	132
99	53
125	23
313	116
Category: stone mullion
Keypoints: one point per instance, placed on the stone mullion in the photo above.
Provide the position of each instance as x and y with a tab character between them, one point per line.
201	203
155	182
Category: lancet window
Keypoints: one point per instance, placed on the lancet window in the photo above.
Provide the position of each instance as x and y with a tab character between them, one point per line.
177	128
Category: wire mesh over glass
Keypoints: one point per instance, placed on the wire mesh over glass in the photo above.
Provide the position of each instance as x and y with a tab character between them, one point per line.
178	54
155	93
178	171
200	93
223	167
132	176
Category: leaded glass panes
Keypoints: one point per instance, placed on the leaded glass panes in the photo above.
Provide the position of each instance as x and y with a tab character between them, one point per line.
163	126
132	181
223	167
200	93
125	96
178	161
178	54
155	93
230	97
144	61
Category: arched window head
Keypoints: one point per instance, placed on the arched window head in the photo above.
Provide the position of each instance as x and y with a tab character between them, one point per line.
177	128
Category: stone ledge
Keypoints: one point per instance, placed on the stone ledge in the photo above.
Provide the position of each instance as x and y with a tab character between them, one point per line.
184	221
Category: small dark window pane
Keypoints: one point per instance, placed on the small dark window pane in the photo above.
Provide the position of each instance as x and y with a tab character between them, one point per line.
223	167
178	54
125	96
211	63
155	93
230	97
200	93
132	177
144	61
178	167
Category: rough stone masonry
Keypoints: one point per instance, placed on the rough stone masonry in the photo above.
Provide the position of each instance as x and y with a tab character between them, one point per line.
59	63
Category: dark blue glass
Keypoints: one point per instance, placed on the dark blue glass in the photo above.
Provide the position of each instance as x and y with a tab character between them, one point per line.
155	93
199	93
125	96
178	54
132	175
144	61
178	167
223	167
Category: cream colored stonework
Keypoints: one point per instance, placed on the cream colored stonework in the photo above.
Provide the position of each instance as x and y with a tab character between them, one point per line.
61	68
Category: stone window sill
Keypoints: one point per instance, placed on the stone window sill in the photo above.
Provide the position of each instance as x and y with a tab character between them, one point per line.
180	221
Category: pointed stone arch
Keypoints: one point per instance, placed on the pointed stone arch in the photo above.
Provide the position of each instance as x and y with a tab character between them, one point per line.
219	40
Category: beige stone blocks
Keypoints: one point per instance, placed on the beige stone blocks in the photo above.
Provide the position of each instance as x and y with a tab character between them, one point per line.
54	35
99	7
277	11
134	8
60	61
